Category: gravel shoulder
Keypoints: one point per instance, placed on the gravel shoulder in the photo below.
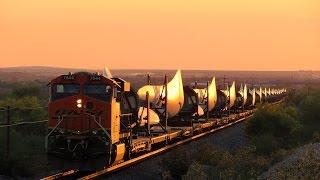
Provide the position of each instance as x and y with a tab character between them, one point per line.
303	163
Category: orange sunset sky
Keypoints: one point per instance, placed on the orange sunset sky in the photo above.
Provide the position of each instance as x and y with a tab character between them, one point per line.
161	34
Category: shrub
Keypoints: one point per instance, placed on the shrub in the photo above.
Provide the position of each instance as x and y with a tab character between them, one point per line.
272	128
310	116
24	152
177	163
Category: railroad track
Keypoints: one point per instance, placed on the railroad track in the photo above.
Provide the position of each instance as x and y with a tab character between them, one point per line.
84	175
76	174
62	175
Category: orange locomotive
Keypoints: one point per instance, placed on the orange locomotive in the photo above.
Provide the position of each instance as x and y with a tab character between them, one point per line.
84	115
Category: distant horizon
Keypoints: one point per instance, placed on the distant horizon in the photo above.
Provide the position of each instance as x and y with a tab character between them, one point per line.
61	67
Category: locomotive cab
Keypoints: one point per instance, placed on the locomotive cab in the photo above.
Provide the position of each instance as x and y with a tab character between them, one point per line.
84	115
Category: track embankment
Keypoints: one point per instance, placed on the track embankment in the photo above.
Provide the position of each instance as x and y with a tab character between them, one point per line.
232	137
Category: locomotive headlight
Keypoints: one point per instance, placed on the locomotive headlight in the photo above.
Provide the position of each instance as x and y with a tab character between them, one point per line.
79	103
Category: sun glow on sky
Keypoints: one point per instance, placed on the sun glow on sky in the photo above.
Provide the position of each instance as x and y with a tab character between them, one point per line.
161	34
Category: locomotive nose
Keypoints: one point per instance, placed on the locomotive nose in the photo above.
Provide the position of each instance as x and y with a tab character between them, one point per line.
84	103
89	105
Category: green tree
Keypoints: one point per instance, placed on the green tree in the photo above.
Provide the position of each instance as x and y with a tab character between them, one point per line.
310	116
25	109
25	90
272	128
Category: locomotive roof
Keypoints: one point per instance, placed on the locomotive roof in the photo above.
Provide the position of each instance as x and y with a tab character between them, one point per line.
84	73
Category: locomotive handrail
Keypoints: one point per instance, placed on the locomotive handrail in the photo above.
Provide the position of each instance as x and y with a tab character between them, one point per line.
103	129
62	118
128	115
47	136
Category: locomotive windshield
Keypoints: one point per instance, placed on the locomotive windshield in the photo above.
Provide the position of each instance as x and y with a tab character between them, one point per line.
99	91
64	90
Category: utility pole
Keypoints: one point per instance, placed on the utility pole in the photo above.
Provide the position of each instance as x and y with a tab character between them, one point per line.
207	99
166	101
148	79
224	81
7	150
229	99
148	110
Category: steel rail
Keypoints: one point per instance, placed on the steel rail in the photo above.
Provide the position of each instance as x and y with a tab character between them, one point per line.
61	174
156	152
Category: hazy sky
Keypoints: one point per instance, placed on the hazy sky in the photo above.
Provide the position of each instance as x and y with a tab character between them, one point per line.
165	34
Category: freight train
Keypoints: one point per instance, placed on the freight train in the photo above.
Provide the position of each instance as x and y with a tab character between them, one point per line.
92	114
